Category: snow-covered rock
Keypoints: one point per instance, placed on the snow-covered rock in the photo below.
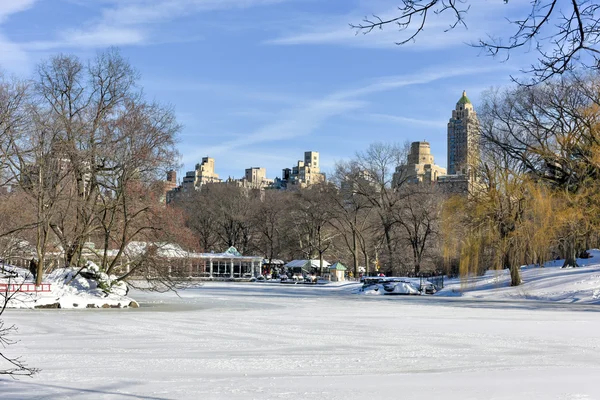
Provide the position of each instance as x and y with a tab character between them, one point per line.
66	288
391	288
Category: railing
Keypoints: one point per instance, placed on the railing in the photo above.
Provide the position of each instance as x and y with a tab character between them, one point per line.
25	287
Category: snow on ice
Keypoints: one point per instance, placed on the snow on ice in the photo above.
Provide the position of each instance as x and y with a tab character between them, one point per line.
479	339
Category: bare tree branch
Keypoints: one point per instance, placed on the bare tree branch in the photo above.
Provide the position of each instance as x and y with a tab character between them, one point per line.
564	34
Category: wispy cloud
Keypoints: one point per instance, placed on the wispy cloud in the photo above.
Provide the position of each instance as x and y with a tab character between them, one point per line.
307	118
8	7
14	57
135	22
291	123
345	36
249	92
398	119
98	36
152	11
482	18
429	75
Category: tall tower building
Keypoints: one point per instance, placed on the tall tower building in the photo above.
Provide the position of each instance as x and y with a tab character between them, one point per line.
463	137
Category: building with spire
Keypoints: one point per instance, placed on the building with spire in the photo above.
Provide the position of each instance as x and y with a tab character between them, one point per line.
463	137
463	149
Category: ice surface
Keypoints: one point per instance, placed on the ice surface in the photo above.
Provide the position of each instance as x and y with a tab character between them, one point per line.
253	341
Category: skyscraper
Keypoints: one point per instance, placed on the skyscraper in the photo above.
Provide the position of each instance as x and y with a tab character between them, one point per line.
463	137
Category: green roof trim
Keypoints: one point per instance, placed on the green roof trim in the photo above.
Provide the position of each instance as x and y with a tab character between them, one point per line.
338	266
233	251
464	99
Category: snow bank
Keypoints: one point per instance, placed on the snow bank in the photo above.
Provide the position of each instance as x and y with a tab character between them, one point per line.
550	283
67	289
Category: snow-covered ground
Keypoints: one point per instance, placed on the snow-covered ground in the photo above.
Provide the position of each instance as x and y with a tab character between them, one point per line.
551	283
255	341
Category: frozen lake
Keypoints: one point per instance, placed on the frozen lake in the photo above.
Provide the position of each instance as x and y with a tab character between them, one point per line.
253	341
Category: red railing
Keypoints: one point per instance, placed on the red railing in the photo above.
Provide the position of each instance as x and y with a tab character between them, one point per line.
25	287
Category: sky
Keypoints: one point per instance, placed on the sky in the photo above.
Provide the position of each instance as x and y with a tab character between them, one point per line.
256	83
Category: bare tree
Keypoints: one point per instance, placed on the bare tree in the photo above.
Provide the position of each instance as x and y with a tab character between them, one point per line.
84	145
271	222
418	218
312	216
353	212
565	34
9	365
222	215
377	182
201	219
29	162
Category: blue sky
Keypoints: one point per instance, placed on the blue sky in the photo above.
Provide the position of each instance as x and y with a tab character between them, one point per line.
258	82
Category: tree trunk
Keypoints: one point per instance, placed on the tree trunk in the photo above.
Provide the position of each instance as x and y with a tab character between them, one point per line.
355	253
515	273
570	257
416	260
388	240
40	271
515	276
321	263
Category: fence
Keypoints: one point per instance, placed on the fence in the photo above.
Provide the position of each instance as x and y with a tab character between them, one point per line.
25	287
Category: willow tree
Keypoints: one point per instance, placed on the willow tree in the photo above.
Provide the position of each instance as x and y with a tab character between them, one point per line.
496	215
540	223
551	133
490	219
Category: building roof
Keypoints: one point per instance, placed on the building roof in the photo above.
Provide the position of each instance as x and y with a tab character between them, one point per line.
273	261
464	99
173	250
306	264
338	266
232	251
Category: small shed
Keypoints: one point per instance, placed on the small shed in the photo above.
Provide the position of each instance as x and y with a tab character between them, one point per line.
338	272
300	267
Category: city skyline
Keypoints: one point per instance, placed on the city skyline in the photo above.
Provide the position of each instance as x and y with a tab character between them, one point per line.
251	95
456	116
